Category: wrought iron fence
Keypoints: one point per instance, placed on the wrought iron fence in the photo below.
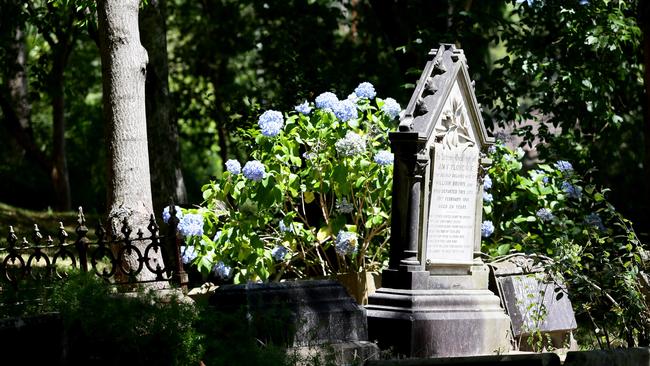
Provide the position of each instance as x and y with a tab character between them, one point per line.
121	258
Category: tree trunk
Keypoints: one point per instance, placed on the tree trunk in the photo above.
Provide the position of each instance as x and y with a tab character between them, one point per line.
643	227
164	151
124	65
59	172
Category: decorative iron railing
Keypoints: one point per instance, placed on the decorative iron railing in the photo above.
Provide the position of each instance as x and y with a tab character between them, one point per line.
121	258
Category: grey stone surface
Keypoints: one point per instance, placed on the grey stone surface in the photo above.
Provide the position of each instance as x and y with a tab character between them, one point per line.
340	354
434	299
530	359
295	313
534	303
616	357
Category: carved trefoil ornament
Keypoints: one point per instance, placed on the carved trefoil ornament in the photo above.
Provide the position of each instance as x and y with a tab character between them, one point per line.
453	130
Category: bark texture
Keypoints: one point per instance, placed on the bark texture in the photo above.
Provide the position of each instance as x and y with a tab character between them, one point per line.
124	65
164	150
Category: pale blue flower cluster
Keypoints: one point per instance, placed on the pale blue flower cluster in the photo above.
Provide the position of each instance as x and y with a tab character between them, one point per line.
346	242
345	110
191	225
326	100
391	108
487	182
563	166
487	197
492	149
384	157
365	90
271	123
222	270
594	220
309	155
572	191
279	252
353	98
303	108
254	170
188	254
284	228
487	228
545	214
233	166
350	145
343	206
166	215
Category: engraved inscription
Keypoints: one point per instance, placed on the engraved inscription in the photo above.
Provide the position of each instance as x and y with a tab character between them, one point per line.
452	210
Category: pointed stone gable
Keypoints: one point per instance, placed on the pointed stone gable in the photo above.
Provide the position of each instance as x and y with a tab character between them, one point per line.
440	143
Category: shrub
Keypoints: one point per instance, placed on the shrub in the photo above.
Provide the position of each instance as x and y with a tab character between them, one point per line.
314	198
552	210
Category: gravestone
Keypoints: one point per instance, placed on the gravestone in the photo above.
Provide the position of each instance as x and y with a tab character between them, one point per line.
539	308
434	299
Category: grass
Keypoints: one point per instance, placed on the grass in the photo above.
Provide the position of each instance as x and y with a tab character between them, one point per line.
23	221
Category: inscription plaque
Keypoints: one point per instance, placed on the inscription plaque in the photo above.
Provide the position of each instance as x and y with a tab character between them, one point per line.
452	209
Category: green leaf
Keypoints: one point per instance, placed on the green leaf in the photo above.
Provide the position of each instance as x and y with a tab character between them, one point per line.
309	197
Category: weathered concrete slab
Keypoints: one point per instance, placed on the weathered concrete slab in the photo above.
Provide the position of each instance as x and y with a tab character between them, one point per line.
529	359
615	357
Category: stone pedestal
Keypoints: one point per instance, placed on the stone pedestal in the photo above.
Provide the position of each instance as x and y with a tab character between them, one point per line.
444	315
296	313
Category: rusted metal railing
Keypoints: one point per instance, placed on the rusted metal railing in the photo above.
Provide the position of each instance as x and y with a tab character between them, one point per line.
52	258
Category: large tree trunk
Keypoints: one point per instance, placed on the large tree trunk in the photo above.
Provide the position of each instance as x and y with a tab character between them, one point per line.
59	172
643	227
164	151
124	65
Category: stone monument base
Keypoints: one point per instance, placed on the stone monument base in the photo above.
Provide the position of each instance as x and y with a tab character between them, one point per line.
439	322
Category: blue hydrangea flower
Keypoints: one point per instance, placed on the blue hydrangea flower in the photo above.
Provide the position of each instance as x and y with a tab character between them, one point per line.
191	225
594	220
563	166
346	242
343	206
391	108
487	228
284	228
345	110
188	254
544	214
350	145
279	252
271	123
222	270
309	155
487	183
254	170
233	166
487	197
166	215
353	98
326	100
384	157
492	149
365	90
571	190
303	108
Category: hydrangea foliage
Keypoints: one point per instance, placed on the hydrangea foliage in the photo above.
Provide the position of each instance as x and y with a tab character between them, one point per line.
313	199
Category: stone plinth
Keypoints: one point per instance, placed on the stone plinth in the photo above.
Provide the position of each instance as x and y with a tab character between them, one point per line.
446	316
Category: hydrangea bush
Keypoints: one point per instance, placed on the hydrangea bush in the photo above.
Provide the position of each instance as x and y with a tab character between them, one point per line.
553	211
312	200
